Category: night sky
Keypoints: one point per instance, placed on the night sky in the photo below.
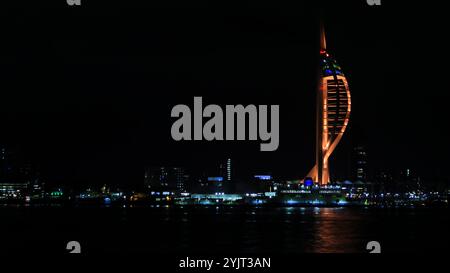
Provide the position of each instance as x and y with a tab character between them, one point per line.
86	92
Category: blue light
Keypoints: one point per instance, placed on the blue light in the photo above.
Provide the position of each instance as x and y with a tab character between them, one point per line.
308	182
215	178
263	177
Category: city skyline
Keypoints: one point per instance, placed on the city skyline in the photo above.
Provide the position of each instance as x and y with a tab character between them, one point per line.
16	174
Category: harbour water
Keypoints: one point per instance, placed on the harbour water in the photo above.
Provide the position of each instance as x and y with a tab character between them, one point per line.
217	230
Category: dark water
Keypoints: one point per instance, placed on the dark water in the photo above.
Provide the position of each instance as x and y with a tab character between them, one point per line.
222	230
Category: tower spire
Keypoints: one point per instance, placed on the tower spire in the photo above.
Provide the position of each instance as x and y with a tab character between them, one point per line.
323	41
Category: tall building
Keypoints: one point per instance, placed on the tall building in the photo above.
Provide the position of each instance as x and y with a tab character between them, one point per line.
180	179
359	164
229	169
333	112
166	178
225	170
409	180
5	164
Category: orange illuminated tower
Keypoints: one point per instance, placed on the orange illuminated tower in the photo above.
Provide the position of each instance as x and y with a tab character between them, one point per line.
333	112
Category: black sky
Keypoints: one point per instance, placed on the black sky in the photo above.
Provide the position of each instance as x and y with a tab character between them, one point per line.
86	92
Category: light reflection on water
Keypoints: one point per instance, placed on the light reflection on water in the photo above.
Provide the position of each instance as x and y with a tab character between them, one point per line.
298	229
334	232
232	230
